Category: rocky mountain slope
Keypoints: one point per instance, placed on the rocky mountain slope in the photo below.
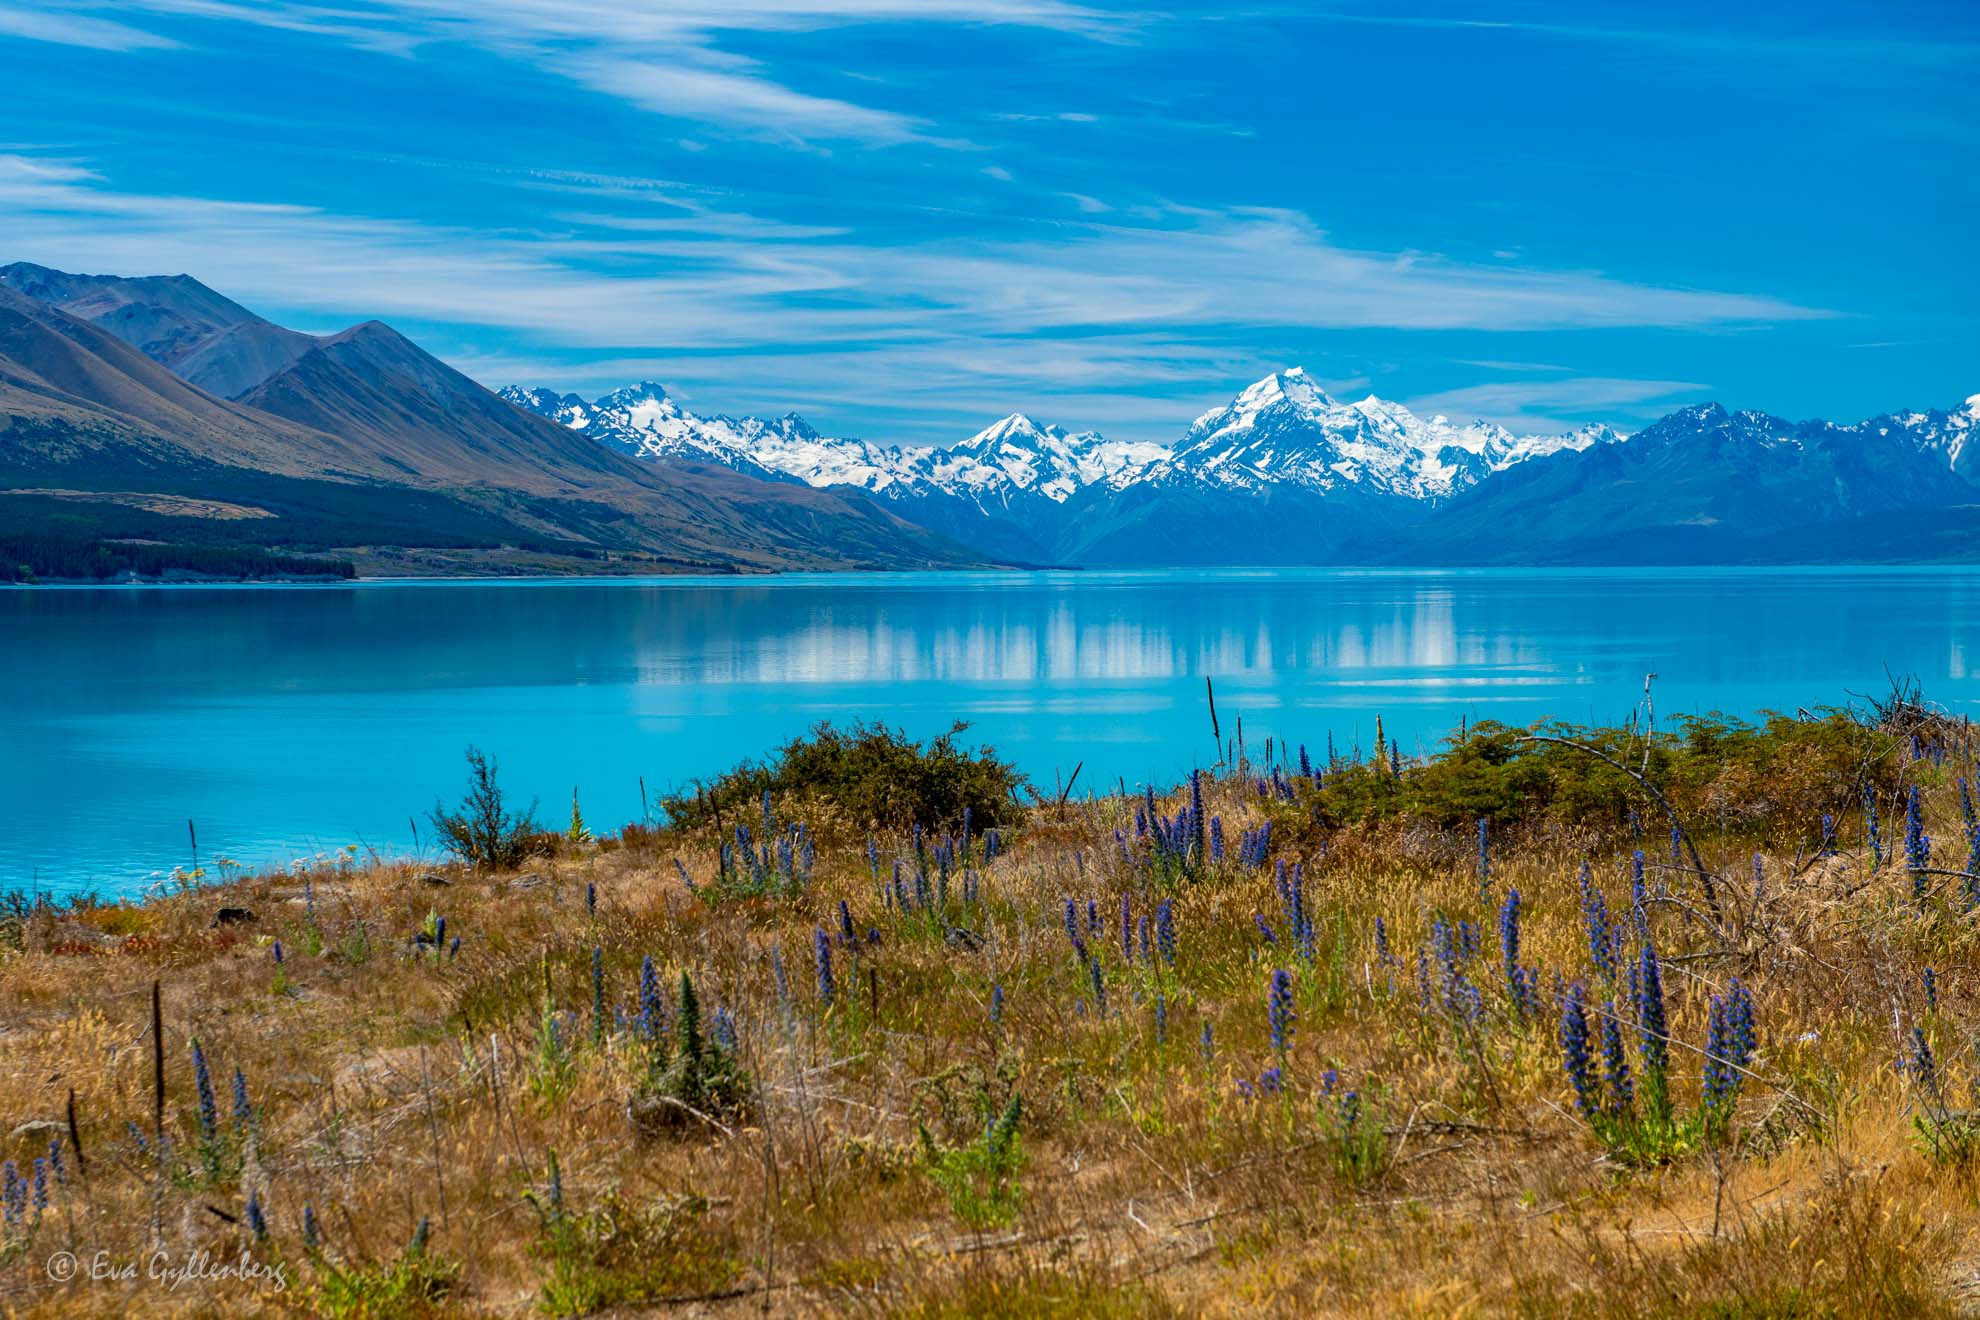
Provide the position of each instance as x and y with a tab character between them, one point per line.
359	440
1705	485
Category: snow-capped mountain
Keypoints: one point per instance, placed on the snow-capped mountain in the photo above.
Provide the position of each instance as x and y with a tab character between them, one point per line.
1286	473
1709	485
644	421
1002	489
1286	430
1283	430
1008	460
1015	456
1951	434
1043	493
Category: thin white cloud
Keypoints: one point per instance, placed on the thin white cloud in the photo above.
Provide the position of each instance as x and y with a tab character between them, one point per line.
1500	364
716	291
1253	267
1531	406
71	29
721	280
924	392
1086	312
665	58
741	100
364	29
696	219
676	20
1853	49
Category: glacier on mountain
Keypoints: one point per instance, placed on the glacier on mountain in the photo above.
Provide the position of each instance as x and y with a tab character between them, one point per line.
1282	430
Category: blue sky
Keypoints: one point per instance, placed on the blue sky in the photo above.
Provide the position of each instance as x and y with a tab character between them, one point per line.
907	217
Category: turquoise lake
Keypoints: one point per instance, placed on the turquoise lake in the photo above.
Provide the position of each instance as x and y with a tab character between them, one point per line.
290	721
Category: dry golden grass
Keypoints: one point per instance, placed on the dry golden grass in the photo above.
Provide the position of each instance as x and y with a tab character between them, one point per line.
391	1088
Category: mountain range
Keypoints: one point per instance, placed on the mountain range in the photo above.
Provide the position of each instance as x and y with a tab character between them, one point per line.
1282	450
154	411
1705	485
1285	473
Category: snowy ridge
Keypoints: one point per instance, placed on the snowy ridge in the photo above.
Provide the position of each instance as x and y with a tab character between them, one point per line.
1015	455
1282	430
644	421
1284	472
1948	433
1287	430
1013	459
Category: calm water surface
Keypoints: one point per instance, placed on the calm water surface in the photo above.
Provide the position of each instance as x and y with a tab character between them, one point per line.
287	721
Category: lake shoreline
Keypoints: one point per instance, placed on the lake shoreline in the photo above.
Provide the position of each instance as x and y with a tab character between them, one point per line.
284	719
1853	567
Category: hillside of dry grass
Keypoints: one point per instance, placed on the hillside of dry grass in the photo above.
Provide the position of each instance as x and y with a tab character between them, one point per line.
1128	1056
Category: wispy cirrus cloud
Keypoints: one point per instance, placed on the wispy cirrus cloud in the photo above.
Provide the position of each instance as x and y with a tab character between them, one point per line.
666	58
1126	384
1202	268
688	19
66	28
1252	266
1558	404
1939	49
738	98
1084	313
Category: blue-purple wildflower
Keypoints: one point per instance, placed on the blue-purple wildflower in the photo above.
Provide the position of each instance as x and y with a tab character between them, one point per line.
822	950
1574	1053
1279	1010
209	1108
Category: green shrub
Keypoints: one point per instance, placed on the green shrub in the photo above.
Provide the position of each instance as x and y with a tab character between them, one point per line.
1769	781
613	1254
980	1179
553	1071
482	831
703	1078
416	1282
1352	1135
872	776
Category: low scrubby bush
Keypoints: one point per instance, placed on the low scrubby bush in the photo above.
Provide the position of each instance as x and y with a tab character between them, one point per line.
871	776
1769	781
482	830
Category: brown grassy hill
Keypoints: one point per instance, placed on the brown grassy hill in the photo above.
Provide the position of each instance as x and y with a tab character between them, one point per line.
212	341
113	399
366	441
